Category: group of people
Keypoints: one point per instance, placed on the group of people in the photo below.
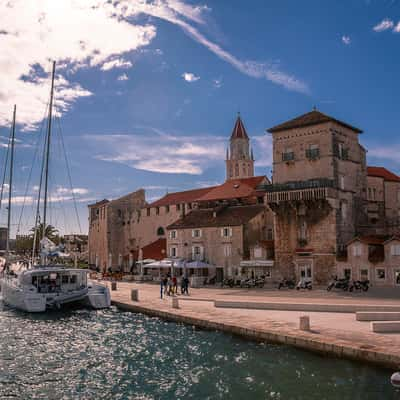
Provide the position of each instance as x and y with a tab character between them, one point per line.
169	285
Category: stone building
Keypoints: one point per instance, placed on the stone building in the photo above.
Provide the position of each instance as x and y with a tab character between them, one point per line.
318	193
220	236
375	258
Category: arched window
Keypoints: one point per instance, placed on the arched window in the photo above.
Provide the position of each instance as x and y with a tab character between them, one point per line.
160	231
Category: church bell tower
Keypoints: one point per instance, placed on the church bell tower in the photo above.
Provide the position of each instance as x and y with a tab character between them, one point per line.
239	157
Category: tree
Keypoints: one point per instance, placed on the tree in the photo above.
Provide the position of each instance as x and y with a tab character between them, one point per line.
51	233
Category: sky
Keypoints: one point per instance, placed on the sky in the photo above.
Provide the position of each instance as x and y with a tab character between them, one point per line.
147	92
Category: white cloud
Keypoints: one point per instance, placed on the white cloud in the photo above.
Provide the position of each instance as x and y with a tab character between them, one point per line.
190	77
263	151
217	83
90	34
160	152
78	191
123	77
116	63
80	34
346	39
397	28
384	25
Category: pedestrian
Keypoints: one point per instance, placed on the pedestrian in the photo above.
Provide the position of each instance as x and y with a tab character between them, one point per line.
169	286
165	281
174	285
185	282
161	287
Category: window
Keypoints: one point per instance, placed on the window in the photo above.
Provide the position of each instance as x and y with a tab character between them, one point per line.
160	231
303	231
380	274
64	278
178	207
226	232
257	252
347	273
196	233
374	194
270	234
341	182
227	250
166	209
148	212
197	253
157	210
369	194
357	250
173	252
312	153
73	279
343	209
395	250
173	234
288	155
364	274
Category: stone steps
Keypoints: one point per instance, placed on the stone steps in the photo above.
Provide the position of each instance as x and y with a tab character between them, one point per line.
312	307
377	316
385	327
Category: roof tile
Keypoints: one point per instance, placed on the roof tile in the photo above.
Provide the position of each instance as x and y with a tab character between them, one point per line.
384	173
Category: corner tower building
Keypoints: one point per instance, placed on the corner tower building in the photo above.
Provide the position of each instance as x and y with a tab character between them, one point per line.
239	157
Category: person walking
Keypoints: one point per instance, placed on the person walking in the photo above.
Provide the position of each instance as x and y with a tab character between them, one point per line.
169	286
174	285
161	287
185	282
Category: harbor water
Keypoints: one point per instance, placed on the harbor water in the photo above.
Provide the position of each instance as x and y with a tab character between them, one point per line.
82	354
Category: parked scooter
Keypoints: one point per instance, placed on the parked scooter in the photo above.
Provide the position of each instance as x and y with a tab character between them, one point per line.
336	283
260	282
359	286
228	282
304	284
286	283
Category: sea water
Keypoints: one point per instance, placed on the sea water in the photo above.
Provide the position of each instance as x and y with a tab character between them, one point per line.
83	354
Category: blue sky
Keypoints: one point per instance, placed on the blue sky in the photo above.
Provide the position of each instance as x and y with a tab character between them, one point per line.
148	92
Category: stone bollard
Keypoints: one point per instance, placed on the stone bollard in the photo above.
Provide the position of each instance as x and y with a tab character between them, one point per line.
113	285
135	294
175	302
304	323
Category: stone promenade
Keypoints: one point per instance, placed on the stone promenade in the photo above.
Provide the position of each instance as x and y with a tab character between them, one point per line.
332	333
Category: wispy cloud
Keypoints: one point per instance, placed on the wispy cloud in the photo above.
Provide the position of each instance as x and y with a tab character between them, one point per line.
217	83
346	40
103	31
116	63
160	152
190	77
384	25
123	77
263	153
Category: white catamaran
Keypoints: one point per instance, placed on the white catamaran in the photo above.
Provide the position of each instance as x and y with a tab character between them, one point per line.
38	287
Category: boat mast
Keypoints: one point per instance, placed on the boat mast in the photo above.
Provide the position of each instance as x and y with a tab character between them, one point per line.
10	181
48	152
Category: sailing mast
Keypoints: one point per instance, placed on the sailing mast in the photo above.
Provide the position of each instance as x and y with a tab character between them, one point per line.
10	181
48	151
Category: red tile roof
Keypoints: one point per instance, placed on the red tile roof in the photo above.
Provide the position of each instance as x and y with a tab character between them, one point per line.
384	173
239	131
156	250
312	118
234	189
187	196
215	217
369	239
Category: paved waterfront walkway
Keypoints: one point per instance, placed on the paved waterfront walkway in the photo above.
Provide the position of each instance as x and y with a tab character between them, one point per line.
335	333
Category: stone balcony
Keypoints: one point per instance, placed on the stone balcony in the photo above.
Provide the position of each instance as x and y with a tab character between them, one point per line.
318	189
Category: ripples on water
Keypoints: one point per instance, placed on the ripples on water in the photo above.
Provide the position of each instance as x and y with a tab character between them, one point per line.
118	355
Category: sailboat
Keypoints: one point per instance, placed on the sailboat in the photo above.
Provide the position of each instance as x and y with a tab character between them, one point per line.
43	286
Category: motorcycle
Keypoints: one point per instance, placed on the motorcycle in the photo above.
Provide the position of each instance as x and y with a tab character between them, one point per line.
286	283
304	284
336	283
359	286
228	282
260	282
247	283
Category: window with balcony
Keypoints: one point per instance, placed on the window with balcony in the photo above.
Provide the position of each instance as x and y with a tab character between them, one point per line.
312	153
227	250
288	155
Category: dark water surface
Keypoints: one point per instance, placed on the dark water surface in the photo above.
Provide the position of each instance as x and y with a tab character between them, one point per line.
118	355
